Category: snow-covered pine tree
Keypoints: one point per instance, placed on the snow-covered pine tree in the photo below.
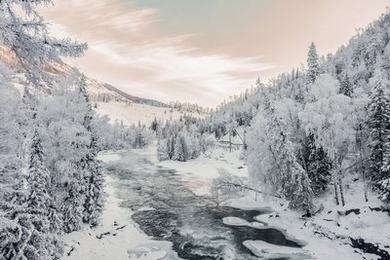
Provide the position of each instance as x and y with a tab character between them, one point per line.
139	140
346	87
285	174
171	141
40	205
38	179
94	195
90	166
313	67
61	116
25	232
155	126
294	182
72	207
26	121
300	192
25	33
180	149
316	163
162	153
379	124
15	227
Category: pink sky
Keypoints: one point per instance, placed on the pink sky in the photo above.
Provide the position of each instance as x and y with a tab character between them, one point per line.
203	51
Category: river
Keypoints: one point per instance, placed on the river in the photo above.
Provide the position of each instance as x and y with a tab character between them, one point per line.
167	210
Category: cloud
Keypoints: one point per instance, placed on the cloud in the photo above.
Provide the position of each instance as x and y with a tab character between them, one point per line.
128	50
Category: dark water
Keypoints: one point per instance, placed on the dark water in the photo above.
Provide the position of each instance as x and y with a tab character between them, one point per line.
166	209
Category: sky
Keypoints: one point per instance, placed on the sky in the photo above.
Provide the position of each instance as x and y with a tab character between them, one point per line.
203	51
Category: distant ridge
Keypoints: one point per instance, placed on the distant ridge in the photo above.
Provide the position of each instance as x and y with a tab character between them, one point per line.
98	91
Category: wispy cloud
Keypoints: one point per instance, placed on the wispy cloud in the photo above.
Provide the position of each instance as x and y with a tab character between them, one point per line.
128	50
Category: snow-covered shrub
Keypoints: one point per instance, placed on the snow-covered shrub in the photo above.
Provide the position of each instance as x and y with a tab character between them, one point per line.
227	184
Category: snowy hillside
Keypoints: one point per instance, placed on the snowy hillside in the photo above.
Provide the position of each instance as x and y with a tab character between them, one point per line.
132	113
98	91
116	104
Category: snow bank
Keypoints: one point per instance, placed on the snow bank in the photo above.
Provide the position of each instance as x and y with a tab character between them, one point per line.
116	238
269	251
234	221
369	225
109	156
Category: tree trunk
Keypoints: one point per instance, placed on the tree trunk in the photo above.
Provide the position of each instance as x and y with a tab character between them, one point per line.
230	141
336	193
365	183
341	189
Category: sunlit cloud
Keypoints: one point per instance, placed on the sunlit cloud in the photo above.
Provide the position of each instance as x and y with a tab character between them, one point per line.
139	59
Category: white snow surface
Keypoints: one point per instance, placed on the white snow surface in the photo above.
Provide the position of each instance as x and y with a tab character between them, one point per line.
269	251
235	221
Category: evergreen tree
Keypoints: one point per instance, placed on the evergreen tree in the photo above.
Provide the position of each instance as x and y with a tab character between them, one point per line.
171	141
94	196
300	192
316	163
26	233
162	153
154	126
72	207
38	179
313	67
285	173
25	33
90	166
40	203
346	87
180	149
379	124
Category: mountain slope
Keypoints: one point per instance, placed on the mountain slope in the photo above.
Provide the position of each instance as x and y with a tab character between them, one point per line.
98	91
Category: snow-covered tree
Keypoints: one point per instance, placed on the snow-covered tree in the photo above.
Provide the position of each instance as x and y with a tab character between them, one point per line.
346	86
328	117
26	35
273	164
90	166
26	231
313	67
180	149
162	149
379	124
61	117
316	163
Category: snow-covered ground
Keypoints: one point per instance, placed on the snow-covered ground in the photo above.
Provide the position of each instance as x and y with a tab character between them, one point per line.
131	113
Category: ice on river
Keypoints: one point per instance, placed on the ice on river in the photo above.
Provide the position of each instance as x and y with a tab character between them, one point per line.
269	251
234	221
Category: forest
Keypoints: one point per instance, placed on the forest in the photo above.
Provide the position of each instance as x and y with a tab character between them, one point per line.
306	134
